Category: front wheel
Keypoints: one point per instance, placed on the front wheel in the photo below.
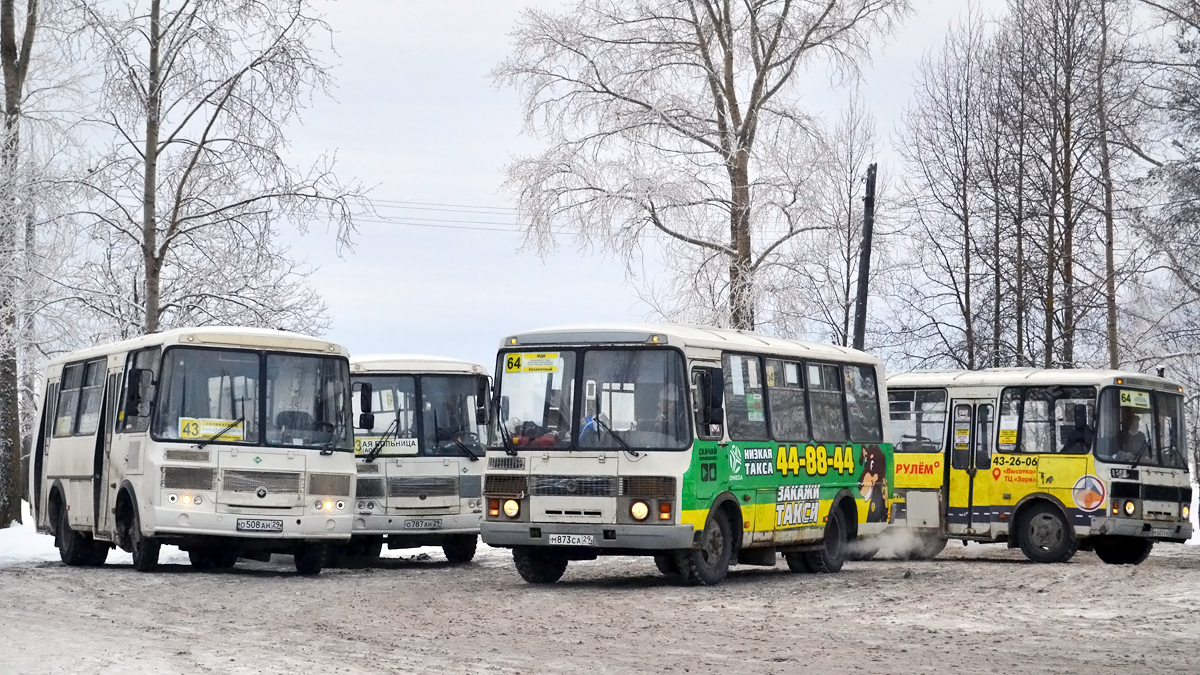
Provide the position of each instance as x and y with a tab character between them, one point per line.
72	545
310	558
1123	550
201	559
710	563
97	553
538	565
829	559
667	564
1045	535
460	549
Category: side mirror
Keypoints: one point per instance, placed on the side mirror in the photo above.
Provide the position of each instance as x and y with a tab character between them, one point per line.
140	380
1081	416
716	397
365	419
482	396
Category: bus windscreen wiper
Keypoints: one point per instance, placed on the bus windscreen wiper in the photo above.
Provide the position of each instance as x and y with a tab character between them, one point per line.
378	447
600	423
220	433
504	440
1138	456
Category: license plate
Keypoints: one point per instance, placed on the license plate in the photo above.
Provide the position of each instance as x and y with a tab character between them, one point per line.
1160	532
423	524
572	540
257	525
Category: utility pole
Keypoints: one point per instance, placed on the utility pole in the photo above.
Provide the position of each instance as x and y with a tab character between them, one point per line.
864	261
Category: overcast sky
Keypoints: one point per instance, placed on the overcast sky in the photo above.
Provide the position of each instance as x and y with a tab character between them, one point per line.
416	116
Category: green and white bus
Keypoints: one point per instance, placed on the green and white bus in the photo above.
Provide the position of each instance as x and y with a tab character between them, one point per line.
701	447
419	468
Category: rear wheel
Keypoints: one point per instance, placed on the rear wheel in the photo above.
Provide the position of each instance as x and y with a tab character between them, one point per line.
72	545
97	553
667	564
538	565
924	547
460	548
310	558
710	563
829	560
797	562
1123	550
1045	535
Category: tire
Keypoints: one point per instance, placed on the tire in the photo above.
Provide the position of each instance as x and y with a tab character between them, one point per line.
924	547
1123	550
1045	535
310	558
710	563
145	549
72	545
538	565
829	559
97	553
667	564
797	563
225	558
202	559
460	549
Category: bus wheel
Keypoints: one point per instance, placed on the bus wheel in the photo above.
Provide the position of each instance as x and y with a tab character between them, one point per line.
460	549
667	564
863	549
97	553
145	549
1045	535
225	558
538	565
1123	550
201	558
710	563
797	562
923	547
72	545
829	559
310	558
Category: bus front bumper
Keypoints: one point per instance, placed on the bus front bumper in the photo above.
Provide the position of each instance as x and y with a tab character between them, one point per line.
604	535
183	522
1179	531
373	525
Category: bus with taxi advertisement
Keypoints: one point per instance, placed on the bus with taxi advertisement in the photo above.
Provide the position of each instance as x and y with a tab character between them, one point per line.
419	468
226	442
700	447
1048	461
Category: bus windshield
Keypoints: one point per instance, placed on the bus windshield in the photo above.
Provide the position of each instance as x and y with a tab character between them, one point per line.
447	421
537	391
635	396
448	405
214	395
1141	427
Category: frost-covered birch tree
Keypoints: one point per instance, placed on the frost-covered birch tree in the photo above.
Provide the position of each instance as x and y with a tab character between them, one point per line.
681	120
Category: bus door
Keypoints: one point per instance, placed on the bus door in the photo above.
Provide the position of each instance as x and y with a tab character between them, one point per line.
968	504
102	478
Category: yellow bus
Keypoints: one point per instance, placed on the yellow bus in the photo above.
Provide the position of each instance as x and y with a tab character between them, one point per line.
1048	461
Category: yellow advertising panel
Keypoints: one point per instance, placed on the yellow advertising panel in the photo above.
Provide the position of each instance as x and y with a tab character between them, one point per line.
918	469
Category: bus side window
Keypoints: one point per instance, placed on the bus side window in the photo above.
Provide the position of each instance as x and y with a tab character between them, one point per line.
744	409
789	410
862	404
983	437
825	402
141	372
68	400
708	406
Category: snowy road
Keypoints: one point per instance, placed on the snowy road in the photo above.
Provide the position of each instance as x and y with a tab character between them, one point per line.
989	613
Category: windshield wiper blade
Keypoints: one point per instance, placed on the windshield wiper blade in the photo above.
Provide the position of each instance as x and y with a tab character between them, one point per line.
504	440
220	433
1138	456
465	449
374	452
600	423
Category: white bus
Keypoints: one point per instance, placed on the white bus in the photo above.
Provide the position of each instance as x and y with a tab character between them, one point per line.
1048	461
701	447
226	442
419	469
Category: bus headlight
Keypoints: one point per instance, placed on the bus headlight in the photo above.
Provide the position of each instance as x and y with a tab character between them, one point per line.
512	508
187	499
1130	507
199	500
1186	511
328	504
639	510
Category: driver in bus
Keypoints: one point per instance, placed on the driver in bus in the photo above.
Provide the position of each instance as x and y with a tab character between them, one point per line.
1130	440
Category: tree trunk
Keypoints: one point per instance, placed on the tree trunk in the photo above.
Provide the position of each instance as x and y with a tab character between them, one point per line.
1110	272
151	259
741	300
1068	250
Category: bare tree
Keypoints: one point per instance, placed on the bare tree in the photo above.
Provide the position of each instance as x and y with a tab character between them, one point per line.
679	117
197	97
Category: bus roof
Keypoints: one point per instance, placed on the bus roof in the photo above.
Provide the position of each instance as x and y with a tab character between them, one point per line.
1012	377
411	363
680	335
211	336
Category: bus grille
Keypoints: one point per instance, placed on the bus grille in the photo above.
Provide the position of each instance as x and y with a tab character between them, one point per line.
368	468
415	486
506	463
187	478
186	455
505	486
286	482
1154	493
370	487
649	487
332	484
573	486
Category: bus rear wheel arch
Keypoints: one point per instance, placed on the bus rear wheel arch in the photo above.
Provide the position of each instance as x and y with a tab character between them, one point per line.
1044	532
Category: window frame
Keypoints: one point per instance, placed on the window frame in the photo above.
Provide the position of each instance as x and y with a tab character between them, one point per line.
878	404
768	434
898	442
75	414
801	364
841	393
1018	446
